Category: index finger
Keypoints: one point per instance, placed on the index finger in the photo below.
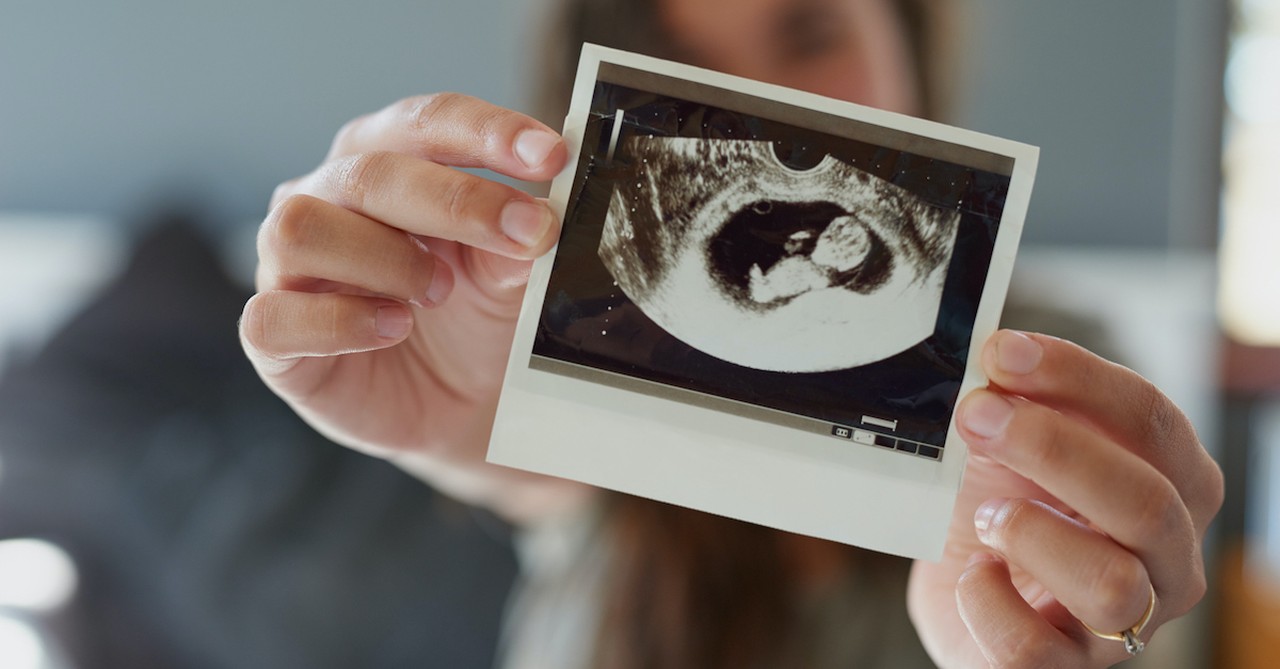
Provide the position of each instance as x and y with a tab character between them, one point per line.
459	131
1113	399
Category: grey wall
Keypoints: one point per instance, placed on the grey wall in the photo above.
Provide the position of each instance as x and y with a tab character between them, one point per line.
1125	101
107	105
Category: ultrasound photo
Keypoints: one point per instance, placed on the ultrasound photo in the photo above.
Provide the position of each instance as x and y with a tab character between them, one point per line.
805	270
770	267
763	304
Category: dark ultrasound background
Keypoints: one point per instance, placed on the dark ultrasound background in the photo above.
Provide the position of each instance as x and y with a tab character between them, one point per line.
588	321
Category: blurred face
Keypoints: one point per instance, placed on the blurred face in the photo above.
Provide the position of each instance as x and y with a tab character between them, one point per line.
852	50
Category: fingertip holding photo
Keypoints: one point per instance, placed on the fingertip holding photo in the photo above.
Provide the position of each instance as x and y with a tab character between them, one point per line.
533	147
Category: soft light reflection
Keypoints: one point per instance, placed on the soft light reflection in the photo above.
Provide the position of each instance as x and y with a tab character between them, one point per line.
20	645
1253	8
1249	289
1253	90
1249	300
35	575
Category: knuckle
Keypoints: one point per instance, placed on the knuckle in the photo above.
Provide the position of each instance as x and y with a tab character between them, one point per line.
443	120
282	191
355	178
1010	649
1178	597
492	124
1051	441
1010	521
460	193
1162	514
1160	419
1084	363
1215	488
346	133
287	227
1068	366
425	112
971	583
1204	493
1023	653
1114	588
1197	586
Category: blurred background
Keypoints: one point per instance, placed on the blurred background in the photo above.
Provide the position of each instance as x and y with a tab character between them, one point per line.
159	508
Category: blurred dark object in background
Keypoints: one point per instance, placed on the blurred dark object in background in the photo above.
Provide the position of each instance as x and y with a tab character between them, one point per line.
209	526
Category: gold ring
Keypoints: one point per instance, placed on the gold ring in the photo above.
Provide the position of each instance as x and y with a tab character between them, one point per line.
1132	643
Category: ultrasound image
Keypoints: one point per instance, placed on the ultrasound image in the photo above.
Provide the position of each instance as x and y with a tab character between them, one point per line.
823	270
771	267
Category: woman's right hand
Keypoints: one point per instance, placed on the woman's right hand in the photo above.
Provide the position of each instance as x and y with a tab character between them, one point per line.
389	284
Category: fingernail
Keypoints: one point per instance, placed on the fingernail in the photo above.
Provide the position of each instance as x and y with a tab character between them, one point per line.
526	223
441	284
533	146
982	518
1017	353
987	414
393	322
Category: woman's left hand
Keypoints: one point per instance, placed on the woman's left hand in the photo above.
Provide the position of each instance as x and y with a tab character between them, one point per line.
1086	490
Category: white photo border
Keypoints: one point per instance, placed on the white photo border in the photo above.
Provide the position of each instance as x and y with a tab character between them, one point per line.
713	460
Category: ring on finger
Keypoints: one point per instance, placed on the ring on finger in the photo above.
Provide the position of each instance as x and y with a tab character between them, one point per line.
1132	643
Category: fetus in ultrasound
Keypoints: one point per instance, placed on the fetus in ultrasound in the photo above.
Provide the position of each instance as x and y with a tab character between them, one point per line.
771	267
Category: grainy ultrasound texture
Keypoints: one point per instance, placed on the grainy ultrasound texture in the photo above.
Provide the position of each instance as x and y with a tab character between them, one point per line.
771	267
